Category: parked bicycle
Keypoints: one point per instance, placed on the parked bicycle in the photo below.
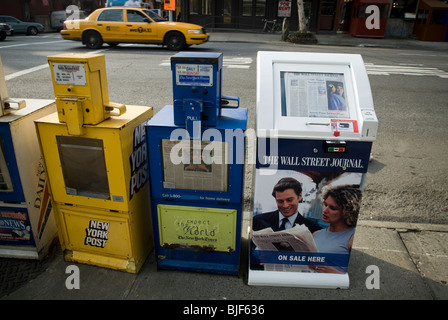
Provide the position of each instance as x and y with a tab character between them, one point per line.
271	26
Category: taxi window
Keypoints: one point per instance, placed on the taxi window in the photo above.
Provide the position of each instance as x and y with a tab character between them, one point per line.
111	15
136	16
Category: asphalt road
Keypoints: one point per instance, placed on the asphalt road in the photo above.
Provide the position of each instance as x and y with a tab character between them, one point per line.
407	178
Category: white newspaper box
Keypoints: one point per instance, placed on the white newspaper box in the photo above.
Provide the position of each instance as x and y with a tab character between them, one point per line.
315	126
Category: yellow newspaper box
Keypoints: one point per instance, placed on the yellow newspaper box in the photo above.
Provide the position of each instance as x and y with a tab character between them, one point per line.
80	88
98	182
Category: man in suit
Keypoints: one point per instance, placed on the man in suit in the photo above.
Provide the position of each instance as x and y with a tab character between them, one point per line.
288	194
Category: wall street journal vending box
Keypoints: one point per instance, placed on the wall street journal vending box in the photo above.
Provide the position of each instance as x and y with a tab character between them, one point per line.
315	128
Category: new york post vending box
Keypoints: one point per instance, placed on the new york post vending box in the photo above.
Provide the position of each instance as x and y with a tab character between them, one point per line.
196	169
27	226
315	127
95	155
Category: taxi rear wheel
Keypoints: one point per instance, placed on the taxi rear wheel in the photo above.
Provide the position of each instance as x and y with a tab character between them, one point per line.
92	40
175	41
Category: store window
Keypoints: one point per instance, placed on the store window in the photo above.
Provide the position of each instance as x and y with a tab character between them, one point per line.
203	7
260	8
439	17
254	8
422	15
206	7
400	7
194	7
328	8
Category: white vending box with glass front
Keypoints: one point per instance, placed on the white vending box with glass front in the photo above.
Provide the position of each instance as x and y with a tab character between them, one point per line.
315	126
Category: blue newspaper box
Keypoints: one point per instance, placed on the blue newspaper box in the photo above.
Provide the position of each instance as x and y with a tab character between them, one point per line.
196	169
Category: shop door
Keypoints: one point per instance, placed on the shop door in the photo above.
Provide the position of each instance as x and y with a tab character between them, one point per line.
327	14
224	14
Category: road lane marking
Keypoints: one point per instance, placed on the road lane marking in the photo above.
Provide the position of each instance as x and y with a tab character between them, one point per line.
26	71
28	44
37	68
407	70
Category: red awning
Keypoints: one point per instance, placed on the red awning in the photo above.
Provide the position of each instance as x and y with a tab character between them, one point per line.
434	4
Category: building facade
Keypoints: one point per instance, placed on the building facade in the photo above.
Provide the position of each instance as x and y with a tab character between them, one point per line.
321	15
40	10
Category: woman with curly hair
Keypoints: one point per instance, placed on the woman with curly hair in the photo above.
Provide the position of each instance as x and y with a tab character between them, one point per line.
341	209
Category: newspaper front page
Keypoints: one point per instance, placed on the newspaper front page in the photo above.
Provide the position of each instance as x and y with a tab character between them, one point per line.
198	165
309	94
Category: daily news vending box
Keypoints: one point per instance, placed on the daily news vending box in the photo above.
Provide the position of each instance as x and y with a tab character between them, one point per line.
95	155
315	127
196	168
27	226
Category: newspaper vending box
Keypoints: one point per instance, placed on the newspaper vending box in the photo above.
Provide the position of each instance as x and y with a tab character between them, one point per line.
27	227
95	155
196	156
315	127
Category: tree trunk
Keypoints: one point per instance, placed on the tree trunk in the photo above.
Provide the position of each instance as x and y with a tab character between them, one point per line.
301	12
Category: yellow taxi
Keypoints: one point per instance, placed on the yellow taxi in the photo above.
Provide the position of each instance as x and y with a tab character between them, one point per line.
116	25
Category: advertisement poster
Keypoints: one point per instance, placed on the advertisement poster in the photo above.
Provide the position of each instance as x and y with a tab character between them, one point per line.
15	227
203	229
284	9
305	209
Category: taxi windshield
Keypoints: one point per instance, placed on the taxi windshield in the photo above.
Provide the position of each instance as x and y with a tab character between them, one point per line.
154	16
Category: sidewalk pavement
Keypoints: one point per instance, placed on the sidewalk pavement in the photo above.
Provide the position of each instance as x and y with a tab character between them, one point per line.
411	258
329	39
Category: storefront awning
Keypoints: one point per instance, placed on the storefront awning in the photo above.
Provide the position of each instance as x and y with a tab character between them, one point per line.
434	4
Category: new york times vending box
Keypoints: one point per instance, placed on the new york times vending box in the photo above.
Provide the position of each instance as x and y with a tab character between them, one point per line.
315	126
27	226
95	155
196	168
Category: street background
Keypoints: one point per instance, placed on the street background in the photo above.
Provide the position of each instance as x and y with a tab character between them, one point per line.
403	219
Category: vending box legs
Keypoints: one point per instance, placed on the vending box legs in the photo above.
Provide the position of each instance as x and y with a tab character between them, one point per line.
196	192
100	188
27	226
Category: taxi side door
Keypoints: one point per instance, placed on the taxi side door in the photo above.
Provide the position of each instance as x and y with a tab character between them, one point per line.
110	23
139	27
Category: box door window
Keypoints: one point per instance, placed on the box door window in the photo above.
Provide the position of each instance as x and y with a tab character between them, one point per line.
84	167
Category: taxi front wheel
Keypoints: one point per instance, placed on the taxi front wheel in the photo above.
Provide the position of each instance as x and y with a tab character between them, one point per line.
93	40
175	41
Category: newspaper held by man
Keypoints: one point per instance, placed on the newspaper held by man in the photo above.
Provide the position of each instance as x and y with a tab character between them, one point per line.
295	239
